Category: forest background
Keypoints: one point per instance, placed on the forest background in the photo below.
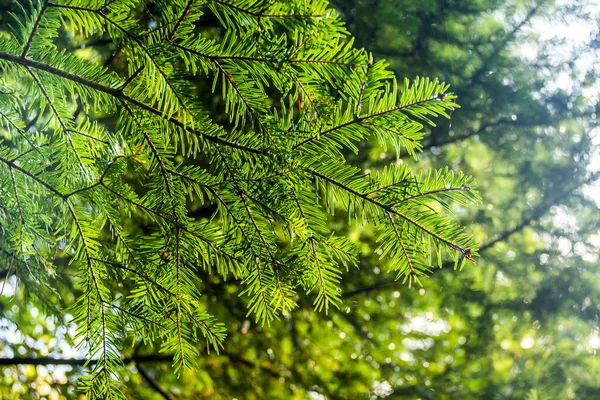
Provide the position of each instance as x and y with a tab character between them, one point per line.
521	323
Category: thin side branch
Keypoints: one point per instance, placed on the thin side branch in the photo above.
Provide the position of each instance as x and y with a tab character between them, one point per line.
153	383
116	93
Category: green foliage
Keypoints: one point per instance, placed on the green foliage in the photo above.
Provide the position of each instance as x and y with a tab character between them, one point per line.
531	142
102	163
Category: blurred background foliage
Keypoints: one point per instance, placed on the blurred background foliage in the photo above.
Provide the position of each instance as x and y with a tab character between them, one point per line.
521	323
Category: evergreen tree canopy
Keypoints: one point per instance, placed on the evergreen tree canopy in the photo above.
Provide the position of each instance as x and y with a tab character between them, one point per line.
186	152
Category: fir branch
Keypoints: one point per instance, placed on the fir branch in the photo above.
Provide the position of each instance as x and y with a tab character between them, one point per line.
130	79
132	314
150	210
36	26
312	103
411	270
152	150
389	209
34	177
259	271
100	180
263	15
138	273
230	79
178	299
116	93
22	132
361	119
58	116
263	287
88	257
386	187
323	62
219	57
363	86
22	225
184	13
155	152
139	43
326	300
431	192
